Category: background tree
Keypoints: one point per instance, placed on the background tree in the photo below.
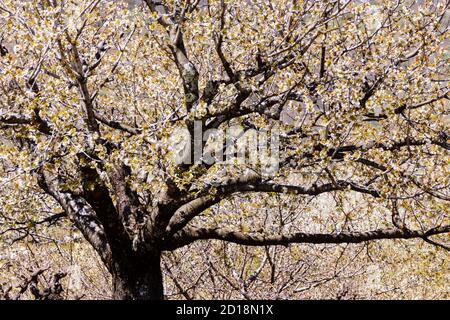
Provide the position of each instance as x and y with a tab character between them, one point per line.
92	93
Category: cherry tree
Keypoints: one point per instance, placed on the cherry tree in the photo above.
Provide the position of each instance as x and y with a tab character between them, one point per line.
93	93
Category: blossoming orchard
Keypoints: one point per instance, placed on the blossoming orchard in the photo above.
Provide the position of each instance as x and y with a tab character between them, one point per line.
342	104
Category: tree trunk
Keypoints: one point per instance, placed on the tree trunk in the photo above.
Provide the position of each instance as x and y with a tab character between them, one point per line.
138	277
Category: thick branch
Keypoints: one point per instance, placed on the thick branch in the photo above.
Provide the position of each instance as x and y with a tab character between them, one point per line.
128	205
338	153
16	119
21	119
252	183
186	68
117	125
189	235
80	213
97	195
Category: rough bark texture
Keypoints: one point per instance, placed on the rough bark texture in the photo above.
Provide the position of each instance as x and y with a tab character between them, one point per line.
129	229
138	277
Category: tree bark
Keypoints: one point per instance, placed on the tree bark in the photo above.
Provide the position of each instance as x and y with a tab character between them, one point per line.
138	277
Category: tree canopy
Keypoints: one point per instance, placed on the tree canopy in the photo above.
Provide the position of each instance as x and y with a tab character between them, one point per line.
94	92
